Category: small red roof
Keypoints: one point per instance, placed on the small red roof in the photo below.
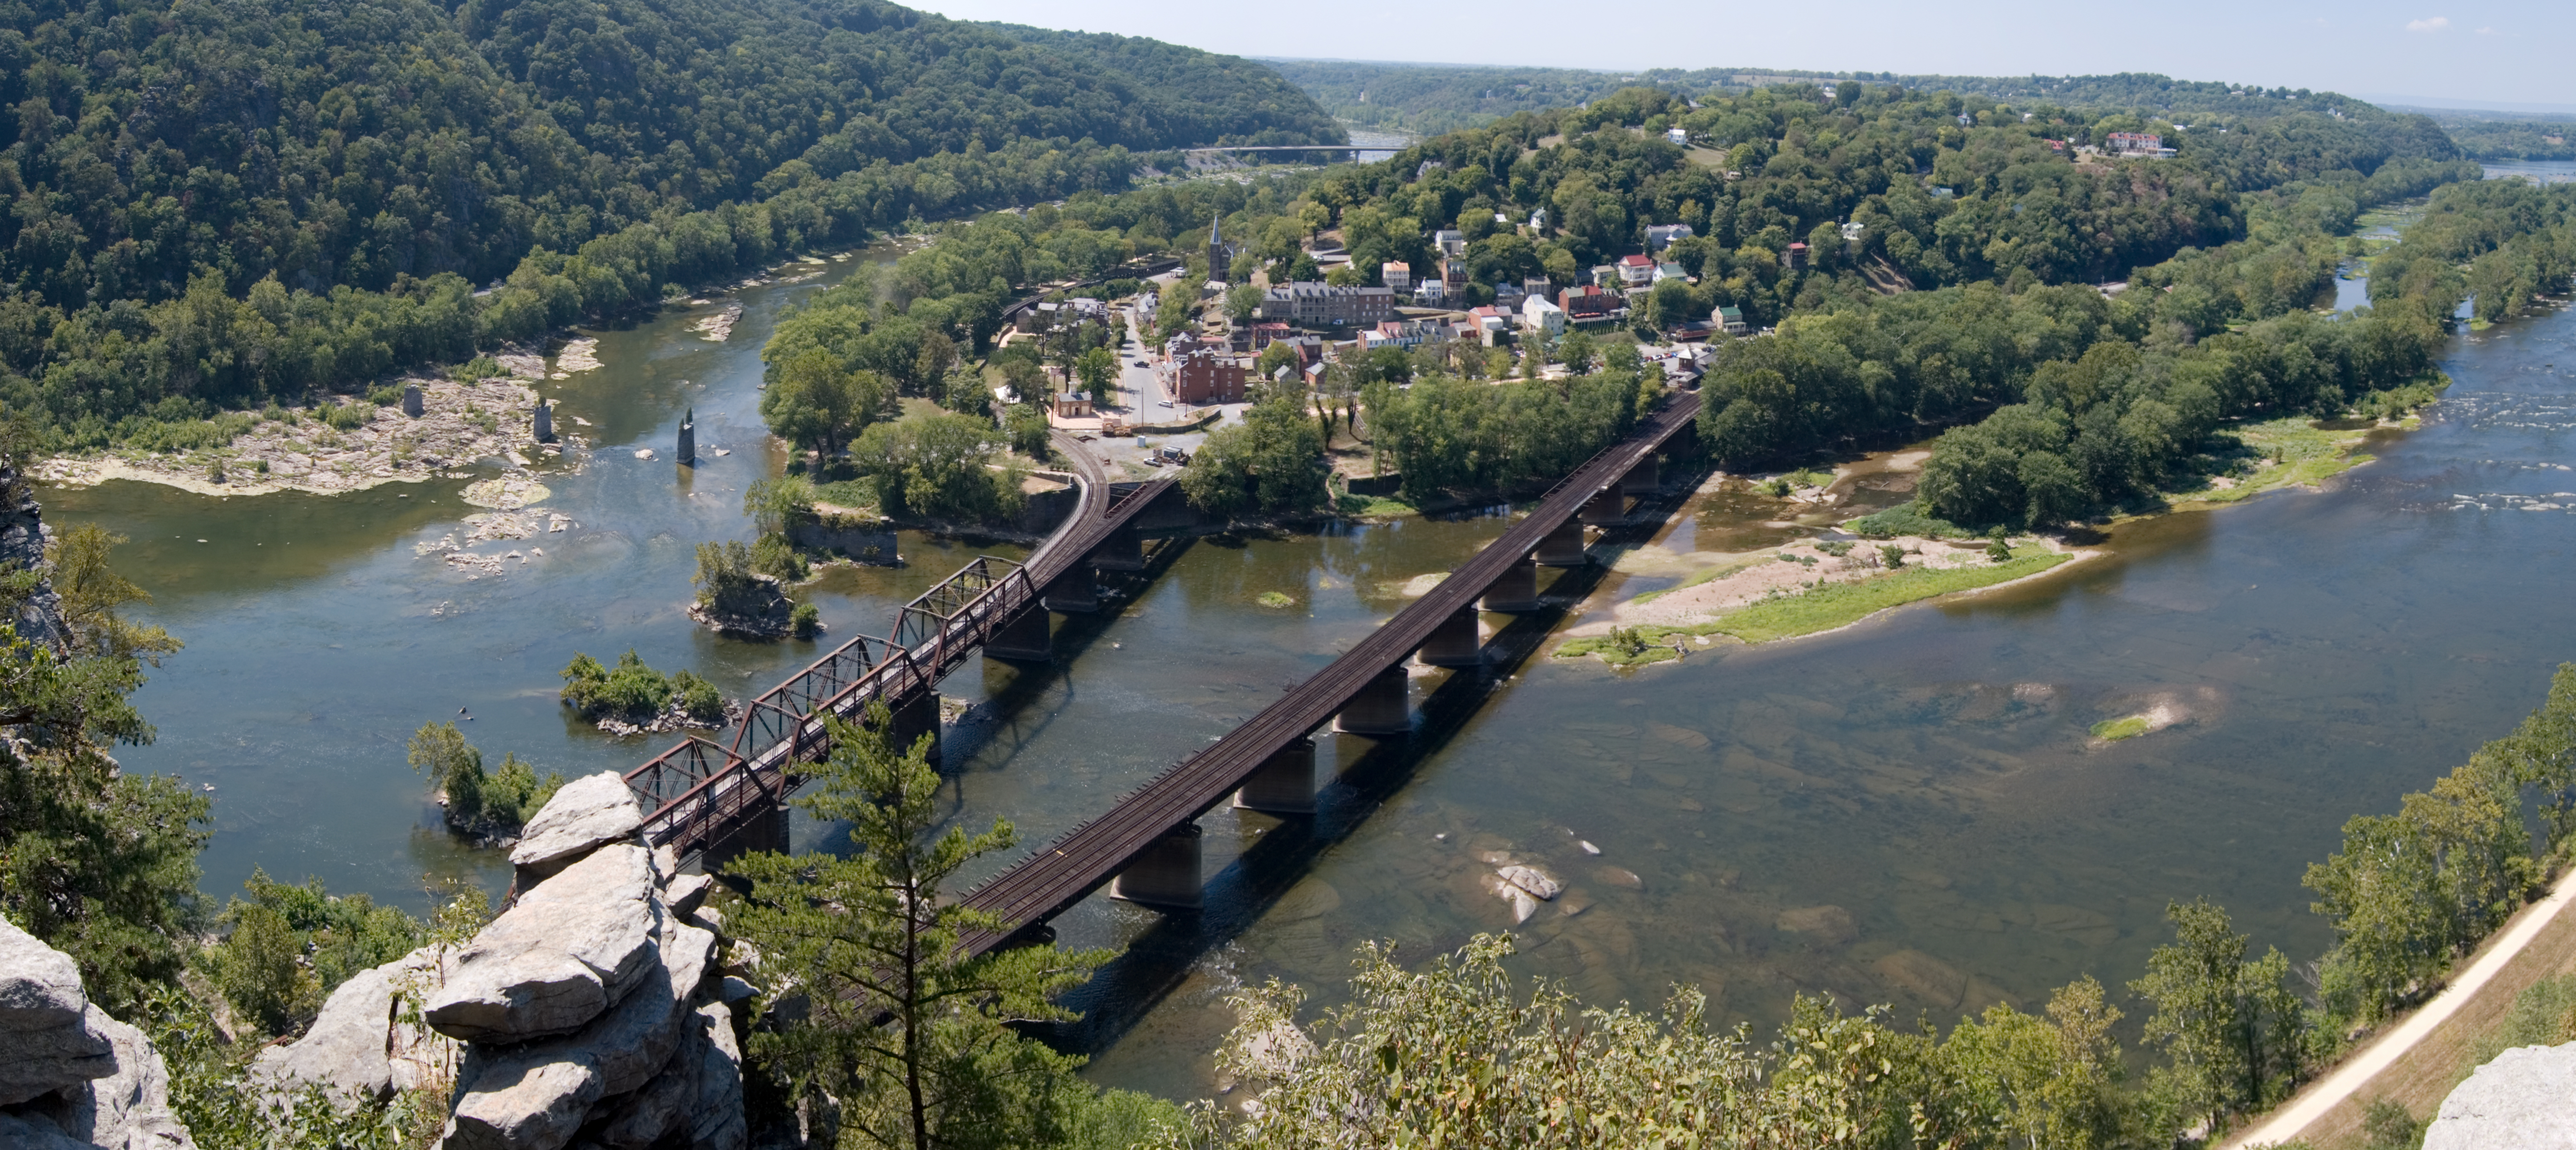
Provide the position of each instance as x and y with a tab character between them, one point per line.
1637	261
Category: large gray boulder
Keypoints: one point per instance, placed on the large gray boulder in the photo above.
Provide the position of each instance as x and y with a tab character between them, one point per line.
50	1036
129	1109
588	813
346	1050
572	948
2523	1100
698	1095
76	1074
537	1096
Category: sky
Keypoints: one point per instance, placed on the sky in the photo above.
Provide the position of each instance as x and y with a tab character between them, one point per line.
2483	55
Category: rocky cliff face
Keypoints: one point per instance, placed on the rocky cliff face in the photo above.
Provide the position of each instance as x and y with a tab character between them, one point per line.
593	1012
22	548
2524	1100
70	1076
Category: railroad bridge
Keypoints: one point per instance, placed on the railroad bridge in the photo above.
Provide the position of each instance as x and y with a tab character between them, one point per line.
1146	846
702	795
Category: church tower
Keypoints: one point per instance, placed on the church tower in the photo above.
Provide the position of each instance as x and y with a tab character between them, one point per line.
1220	264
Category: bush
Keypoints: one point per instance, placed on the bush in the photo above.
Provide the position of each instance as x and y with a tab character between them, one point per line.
479	367
775	557
348	416
1903	519
289	945
477	801
637	693
806	621
699	698
385	395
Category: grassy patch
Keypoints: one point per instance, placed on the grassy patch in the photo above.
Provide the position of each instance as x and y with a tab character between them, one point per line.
1627	646
2124	727
1374	506
1837	604
2275	453
1906	519
855	494
1274	600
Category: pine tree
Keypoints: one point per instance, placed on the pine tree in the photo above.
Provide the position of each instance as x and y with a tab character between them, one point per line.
910	1037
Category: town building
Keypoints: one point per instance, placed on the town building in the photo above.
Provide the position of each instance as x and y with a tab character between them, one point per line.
1396	274
2140	145
1591	305
1669	270
1431	293
1542	317
1795	257
1493	325
1636	271
1729	320
1661	236
1450	241
1538	219
1310	304
1193	371
1454	273
1509	296
1677	137
1220	255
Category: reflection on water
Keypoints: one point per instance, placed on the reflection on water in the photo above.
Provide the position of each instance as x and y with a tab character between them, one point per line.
1910	811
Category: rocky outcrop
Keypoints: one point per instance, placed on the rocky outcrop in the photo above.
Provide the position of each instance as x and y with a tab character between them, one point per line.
592	1012
22	548
2523	1100
570	949
750	606
583	815
70	1076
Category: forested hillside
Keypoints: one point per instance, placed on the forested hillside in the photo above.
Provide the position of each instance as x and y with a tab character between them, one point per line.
256	158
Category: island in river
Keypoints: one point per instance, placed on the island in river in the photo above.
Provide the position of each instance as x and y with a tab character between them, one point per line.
1836	580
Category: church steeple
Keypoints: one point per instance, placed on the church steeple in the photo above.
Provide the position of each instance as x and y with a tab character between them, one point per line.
1220	262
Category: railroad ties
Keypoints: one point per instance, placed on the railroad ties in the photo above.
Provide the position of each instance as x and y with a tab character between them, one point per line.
1146	845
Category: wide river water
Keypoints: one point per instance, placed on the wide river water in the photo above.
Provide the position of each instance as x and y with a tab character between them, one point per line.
1910	811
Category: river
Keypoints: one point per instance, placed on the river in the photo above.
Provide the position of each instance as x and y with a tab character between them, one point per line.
1910	811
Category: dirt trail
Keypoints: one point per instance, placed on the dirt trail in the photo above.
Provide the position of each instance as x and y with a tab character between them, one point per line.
2345	1083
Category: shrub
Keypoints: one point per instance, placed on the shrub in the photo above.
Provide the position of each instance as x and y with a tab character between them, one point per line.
348	416
479	367
385	394
775	557
699	698
805	621
1892	555
632	689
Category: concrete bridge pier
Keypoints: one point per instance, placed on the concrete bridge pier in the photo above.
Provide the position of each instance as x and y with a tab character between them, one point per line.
1122	551
921	717
1516	589
1075	592
1383	707
1026	638
1456	642
1284	784
1166	874
1604	508
1643	479
1563	547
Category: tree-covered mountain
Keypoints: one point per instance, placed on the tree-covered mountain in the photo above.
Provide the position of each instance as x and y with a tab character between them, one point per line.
220	204
352	141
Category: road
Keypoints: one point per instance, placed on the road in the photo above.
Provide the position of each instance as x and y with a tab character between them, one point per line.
2347	1079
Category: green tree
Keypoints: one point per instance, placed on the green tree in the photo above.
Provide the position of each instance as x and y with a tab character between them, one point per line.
1241	301
820	407
1173	310
938	465
1271	463
1098	370
92	591
913	1040
2232	1031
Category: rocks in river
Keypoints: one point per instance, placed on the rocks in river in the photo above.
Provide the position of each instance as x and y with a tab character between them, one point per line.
1620	877
70	1076
585	814
751	606
2523	1100
1540	884
1828	925
1523	904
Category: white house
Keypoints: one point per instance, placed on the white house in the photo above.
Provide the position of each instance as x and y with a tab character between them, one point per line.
1451	242
1680	138
1543	317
